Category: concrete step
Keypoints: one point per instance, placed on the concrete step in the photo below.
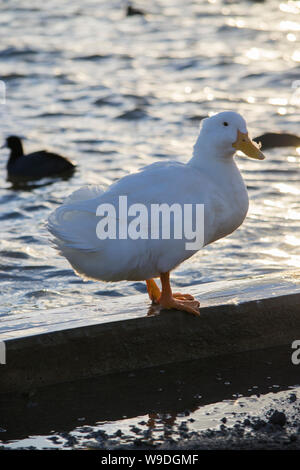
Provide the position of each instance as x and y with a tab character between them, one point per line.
236	316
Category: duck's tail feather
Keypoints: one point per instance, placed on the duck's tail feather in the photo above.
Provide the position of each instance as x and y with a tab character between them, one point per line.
84	193
73	225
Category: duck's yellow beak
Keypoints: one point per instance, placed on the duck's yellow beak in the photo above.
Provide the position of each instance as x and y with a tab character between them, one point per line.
247	146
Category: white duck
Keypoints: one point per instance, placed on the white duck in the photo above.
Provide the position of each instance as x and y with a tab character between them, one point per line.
211	178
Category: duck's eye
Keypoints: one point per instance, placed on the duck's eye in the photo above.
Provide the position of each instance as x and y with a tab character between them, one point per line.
225	123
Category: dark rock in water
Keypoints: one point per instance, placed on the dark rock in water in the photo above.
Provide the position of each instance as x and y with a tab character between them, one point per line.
278	417
292	397
36	165
258	424
273	140
131	11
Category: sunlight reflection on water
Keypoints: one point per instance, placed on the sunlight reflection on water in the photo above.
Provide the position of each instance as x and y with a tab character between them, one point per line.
115	93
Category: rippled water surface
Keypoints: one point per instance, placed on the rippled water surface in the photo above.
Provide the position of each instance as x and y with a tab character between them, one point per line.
115	93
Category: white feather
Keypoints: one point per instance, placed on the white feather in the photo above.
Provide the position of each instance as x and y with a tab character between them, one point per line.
211	178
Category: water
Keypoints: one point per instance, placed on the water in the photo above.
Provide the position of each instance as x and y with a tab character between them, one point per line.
115	93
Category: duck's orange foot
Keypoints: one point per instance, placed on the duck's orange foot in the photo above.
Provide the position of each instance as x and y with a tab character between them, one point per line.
180	296
182	303
167	300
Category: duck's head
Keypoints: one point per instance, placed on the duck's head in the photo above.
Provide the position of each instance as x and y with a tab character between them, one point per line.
14	143
227	132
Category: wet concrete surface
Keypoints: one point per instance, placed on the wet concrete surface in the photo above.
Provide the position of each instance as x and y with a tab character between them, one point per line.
249	400
247	315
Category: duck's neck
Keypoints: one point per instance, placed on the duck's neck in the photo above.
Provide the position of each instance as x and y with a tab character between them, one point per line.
16	151
206	154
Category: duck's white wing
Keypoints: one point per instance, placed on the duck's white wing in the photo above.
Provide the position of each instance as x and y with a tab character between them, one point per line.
74	223
167	182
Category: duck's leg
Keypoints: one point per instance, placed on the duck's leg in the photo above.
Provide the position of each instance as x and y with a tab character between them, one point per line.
153	291
183	302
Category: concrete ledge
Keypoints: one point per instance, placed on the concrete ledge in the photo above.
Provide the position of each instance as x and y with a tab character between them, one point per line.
112	347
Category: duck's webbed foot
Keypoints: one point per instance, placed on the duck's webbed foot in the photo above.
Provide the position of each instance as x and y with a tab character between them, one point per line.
180	296
177	301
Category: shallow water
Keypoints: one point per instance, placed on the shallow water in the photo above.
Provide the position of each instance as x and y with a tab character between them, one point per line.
115	93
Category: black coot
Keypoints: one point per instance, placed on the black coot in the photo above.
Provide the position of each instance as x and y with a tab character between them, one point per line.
275	139
35	165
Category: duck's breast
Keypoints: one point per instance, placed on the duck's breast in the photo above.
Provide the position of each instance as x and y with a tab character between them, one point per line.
227	206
